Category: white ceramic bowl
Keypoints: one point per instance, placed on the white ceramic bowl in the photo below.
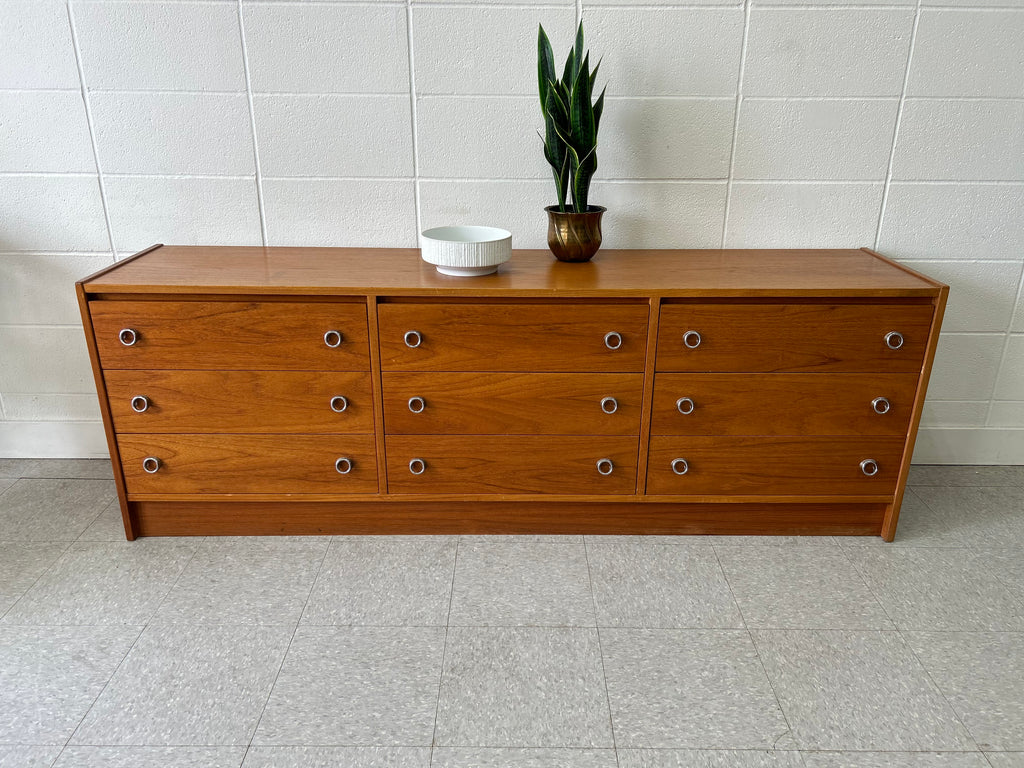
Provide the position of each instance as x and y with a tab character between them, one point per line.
466	251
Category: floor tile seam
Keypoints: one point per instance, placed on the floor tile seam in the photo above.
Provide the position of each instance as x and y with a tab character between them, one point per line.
871	591
93	521
444	649
6	613
938	689
778	701
287	650
600	652
732	592
163	599
103	690
316	579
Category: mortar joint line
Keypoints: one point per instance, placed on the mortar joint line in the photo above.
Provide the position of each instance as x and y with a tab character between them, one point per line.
414	125
92	129
896	128
736	121
1003	353
257	165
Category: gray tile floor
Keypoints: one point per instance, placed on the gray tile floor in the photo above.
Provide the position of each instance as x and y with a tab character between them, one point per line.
522	652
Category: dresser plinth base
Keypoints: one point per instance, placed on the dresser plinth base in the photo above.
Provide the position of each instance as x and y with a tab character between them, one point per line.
237	518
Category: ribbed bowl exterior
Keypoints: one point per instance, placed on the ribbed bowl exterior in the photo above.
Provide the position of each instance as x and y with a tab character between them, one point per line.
574	236
447	253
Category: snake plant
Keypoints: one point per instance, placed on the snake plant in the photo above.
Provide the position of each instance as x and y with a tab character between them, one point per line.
571	120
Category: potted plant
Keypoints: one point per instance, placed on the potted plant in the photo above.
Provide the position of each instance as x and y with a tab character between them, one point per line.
571	121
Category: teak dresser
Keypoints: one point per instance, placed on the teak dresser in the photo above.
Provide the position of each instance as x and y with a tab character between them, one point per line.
317	390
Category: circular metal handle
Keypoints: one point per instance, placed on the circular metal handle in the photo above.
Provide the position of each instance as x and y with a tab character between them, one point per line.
339	403
869	467
605	466
140	403
333	339
680	466
881	405
343	465
691	339
613	340
685	406
609	404
894	339
413	339
417	466
417	404
151	464
128	336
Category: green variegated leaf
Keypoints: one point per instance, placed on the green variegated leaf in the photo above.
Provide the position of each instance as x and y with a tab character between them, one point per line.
545	65
569	72
593	76
578	52
581	112
598	109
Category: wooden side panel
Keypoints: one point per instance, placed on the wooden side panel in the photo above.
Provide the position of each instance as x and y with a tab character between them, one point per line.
797	337
782	404
529	337
511	464
513	403
232	335
773	465
268	402
249	463
234	518
892	514
108	424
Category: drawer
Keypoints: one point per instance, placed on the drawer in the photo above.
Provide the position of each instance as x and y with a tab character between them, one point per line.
249	463
511	464
512	403
232	335
298	402
513	337
772	465
793	337
782	403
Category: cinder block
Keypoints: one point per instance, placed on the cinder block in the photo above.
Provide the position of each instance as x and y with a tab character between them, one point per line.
52	213
36	50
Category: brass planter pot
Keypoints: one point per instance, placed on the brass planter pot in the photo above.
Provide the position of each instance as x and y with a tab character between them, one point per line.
574	236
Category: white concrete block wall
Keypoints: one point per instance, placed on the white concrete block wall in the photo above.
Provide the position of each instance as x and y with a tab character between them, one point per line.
897	124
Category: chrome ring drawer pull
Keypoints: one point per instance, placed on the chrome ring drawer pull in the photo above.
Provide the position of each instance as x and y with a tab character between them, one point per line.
128	336
680	466
417	466
343	465
691	339
609	404
333	339
894	339
417	404
685	406
605	466
339	403
881	405
140	403
413	339
869	467
613	340
151	464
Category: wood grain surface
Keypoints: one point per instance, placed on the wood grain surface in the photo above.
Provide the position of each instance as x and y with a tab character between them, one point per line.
782	403
249	463
270	402
513	337
793	337
511	464
513	403
222	335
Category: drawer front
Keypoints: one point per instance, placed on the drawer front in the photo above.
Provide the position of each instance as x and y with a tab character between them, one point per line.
513	337
511	464
792	337
772	465
269	402
782	404
512	403
231	335
248	463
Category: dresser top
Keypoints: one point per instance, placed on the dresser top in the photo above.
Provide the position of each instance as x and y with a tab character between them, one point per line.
401	272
